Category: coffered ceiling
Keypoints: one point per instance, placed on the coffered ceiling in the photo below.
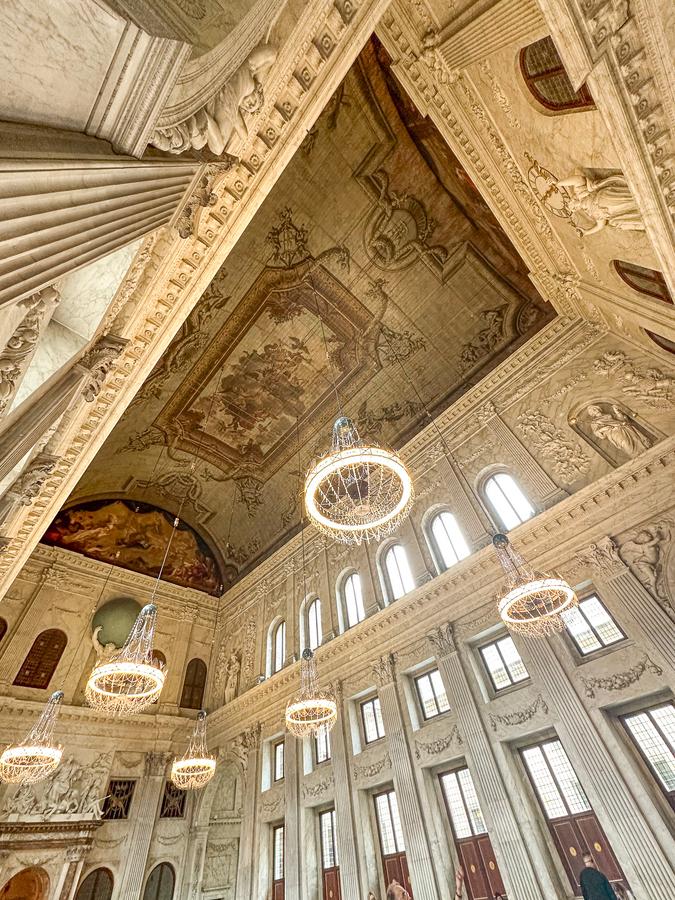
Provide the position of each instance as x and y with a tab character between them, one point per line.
374	280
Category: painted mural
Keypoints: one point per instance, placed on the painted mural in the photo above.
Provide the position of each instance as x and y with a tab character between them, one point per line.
134	536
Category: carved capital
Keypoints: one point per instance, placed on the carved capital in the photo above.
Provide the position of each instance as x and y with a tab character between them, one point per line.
602	557
156	763
27	486
384	670
99	360
442	639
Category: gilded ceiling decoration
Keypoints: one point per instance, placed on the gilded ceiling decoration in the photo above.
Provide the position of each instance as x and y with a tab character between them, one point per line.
374	282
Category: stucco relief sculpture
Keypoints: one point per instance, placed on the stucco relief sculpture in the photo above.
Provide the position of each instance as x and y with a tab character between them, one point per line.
644	555
602	202
232	678
223	118
103	651
612	430
567	457
74	789
652	386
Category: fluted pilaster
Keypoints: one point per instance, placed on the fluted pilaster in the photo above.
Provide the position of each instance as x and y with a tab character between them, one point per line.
146	805
293	858
417	843
345	819
515	864
644	860
247	842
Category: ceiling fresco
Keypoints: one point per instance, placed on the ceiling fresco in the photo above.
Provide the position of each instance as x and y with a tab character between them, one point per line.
373	281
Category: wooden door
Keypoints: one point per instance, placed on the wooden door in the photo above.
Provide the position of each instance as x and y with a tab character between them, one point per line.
331	884
396	866
278	890
576	835
482	877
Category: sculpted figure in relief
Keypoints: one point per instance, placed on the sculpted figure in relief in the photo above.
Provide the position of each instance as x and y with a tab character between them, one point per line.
604	201
232	681
103	651
643	554
222	118
616	427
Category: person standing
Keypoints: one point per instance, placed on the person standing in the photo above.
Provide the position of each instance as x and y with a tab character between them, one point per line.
594	885
396	891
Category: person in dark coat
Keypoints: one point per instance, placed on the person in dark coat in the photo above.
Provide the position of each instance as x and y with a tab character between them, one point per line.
594	885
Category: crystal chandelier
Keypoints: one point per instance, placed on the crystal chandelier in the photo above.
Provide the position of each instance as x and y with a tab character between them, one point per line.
37	756
533	602
196	767
312	711
131	680
358	490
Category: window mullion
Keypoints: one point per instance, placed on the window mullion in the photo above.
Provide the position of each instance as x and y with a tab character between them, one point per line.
467	811
556	782
504	663
667	741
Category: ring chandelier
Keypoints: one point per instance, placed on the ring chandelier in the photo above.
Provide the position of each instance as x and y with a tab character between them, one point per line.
131	680
358	491
196	767
533	602
37	756
312	711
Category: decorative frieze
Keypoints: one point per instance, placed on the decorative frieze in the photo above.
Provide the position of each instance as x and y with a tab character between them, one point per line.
618	681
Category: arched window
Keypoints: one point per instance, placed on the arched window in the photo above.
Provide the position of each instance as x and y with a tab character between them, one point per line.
98	885
353	599
652	283
547	80
43	658
507	500
3	628
160	883
314	633
646	281
278	647
397	570
447	541
194	684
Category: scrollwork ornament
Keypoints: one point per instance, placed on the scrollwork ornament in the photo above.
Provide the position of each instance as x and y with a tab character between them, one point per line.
520	716
620	680
384	670
443	639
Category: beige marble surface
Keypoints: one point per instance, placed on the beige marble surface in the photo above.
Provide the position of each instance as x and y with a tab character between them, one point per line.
54	57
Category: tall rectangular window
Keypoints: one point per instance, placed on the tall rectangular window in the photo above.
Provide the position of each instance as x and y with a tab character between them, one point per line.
431	693
278	853
503	663
371	715
590	626
389	823
322	746
329	854
555	780
462	802
573	825
278	761
653	732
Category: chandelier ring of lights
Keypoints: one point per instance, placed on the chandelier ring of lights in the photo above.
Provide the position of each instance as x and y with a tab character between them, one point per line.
561	594
196	767
147	680
37	756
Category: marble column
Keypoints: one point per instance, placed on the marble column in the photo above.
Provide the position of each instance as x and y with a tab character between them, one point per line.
250	755
67	200
169	701
21	635
292	852
521	879
23	428
417	844
464	503
19	349
144	814
345	818
646	864
625	594
194	867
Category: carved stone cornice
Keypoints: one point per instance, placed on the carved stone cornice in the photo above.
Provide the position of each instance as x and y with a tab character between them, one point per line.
308	71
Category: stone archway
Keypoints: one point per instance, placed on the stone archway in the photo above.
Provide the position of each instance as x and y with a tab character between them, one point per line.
28	884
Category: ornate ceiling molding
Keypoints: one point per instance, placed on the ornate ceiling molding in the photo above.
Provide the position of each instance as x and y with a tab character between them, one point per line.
310	71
